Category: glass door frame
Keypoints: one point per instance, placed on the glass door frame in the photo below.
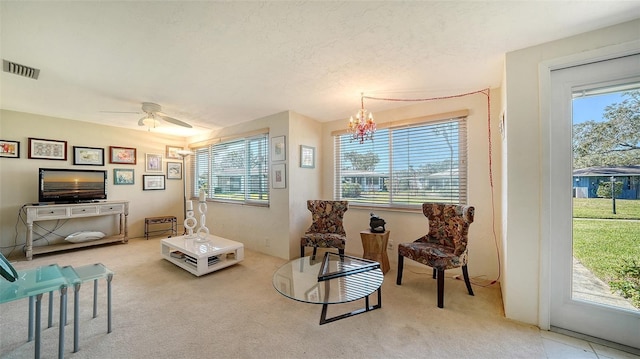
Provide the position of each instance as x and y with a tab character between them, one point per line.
551	168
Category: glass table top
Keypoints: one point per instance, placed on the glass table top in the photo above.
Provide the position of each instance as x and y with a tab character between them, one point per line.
85	273
31	282
328	279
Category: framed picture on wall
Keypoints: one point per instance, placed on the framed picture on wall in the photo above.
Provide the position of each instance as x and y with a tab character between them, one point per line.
152	182
278	149
172	152
278	176
174	170
89	156
123	176
153	162
40	148
9	149
307	156
122	155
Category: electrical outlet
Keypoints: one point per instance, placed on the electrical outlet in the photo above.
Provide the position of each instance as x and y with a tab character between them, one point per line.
390	244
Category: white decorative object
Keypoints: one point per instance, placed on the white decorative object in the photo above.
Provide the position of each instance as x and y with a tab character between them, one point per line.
84	236
203	231
189	221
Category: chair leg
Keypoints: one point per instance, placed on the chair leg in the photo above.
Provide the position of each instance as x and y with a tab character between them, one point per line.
341	252
434	273
440	288
301	251
465	274
315	249
400	267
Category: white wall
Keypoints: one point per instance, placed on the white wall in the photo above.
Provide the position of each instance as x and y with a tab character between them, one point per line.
19	177
524	169
304	183
407	226
264	229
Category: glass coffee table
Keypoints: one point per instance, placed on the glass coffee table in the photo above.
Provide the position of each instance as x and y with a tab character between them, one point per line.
330	279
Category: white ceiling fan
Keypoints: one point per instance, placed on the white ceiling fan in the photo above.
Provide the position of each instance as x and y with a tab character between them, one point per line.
153	114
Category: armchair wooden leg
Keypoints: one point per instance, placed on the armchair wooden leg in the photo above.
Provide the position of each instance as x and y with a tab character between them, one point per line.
301	251
465	274
440	288
400	267
434	273
341	252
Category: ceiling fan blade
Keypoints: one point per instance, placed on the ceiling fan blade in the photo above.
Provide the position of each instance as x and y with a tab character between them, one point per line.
174	121
141	121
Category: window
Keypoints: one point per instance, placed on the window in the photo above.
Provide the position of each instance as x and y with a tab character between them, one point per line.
234	170
404	166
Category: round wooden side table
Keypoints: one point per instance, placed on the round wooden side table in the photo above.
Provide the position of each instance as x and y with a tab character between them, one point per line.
375	248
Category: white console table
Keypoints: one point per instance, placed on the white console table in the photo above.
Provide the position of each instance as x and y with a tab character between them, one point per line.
70	211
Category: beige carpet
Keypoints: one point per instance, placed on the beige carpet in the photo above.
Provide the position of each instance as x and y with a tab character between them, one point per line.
162	311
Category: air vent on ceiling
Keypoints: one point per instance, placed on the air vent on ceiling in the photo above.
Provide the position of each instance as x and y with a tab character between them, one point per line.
21	70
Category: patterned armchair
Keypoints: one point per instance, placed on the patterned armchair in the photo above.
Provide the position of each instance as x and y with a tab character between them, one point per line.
444	247
326	231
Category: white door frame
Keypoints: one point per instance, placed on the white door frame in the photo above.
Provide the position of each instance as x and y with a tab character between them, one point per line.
544	71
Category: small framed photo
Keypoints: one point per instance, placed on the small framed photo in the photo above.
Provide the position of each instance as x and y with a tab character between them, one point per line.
278	176
174	170
307	156
9	149
122	155
123	176
153	162
40	148
172	152
90	156
152	182
278	148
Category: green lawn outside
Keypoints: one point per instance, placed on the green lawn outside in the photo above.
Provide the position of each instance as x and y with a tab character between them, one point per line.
609	248
603	208
604	245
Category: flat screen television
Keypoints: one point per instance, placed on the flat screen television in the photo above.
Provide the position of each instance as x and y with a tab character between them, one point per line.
71	185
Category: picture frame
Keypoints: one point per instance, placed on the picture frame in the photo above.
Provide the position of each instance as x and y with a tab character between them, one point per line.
278	148
43	149
153	162
9	149
153	182
88	156
123	176
174	170
279	176
172	152
122	155
307	156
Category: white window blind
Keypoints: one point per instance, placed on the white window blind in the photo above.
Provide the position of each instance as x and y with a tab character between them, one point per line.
234	170
404	166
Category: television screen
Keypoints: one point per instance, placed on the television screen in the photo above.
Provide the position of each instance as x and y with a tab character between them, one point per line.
71	185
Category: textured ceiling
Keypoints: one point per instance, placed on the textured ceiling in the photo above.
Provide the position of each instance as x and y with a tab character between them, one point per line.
214	64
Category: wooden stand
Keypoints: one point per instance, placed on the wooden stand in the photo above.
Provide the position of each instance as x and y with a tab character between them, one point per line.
375	248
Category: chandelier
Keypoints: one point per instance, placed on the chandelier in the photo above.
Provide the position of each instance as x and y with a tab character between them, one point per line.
362	127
